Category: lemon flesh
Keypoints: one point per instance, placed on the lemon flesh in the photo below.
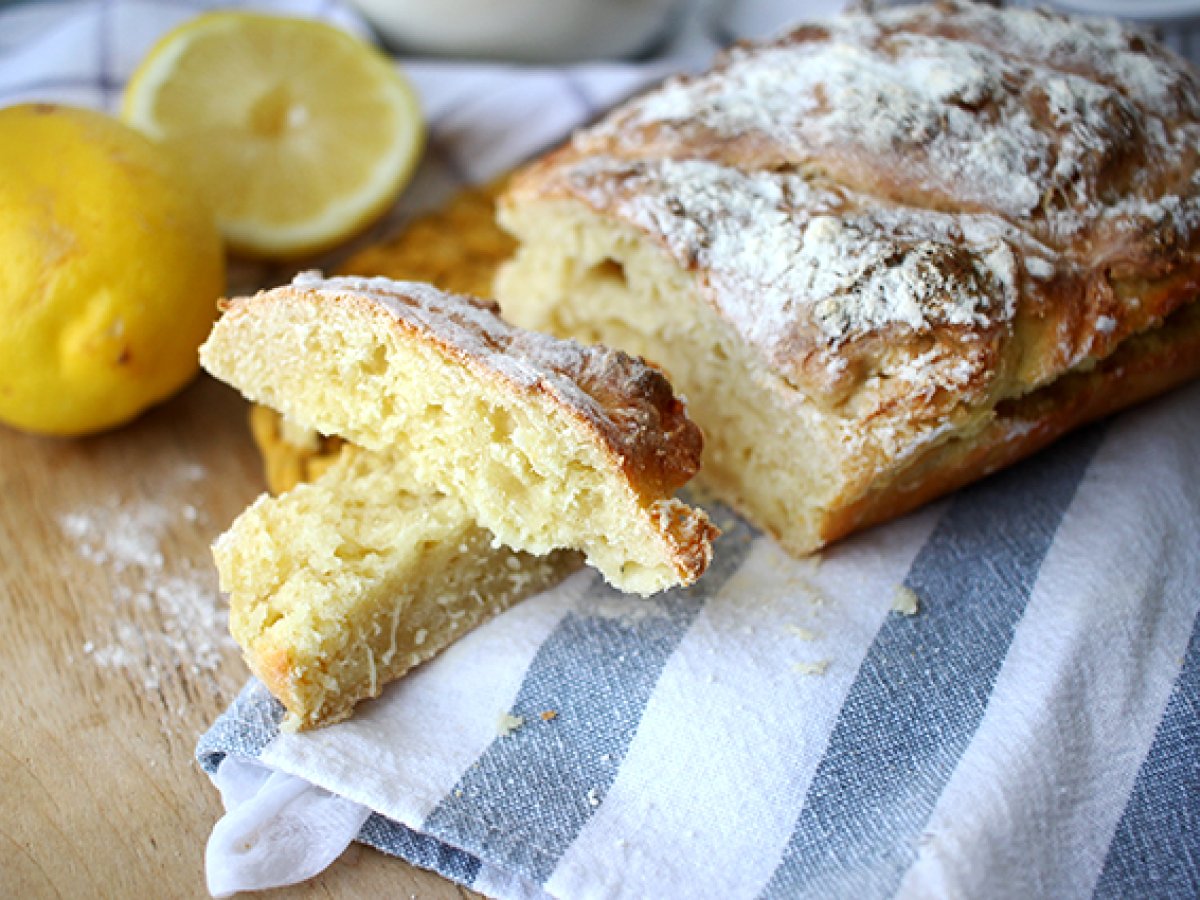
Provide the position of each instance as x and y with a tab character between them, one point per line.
297	133
111	271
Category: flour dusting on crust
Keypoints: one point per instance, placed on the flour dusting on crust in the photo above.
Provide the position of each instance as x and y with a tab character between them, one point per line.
1026	116
784	257
939	170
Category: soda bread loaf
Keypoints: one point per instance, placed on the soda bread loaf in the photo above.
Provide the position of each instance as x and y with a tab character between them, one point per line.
548	444
882	255
342	585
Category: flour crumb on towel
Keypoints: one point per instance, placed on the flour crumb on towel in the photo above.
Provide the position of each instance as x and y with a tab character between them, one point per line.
820	667
906	602
508	723
805	634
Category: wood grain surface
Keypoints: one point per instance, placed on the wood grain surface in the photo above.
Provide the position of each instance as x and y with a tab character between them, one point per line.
115	658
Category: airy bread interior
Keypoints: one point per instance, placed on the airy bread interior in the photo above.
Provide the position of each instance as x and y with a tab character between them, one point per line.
528	471
766	451
342	585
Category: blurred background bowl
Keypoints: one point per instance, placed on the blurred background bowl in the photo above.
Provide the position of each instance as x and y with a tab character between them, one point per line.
550	31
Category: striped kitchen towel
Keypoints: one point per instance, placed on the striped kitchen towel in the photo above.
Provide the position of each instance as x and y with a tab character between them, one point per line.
781	730
784	728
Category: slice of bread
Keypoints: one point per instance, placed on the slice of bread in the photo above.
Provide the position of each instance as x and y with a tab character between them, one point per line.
548	444
342	585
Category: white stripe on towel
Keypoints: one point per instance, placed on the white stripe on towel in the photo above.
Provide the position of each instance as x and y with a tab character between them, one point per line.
1035	799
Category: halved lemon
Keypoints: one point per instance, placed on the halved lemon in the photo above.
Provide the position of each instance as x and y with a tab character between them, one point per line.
297	133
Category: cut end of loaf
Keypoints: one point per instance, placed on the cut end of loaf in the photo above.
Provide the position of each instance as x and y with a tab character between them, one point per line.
766	452
806	473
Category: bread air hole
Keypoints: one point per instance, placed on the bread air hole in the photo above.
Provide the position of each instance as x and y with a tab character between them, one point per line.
607	270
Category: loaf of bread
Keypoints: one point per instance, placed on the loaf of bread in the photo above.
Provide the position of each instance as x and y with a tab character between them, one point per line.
884	254
549	445
340	586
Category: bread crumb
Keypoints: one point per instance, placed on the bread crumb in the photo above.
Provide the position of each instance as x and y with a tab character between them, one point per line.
820	667
548	715
508	724
906	602
805	634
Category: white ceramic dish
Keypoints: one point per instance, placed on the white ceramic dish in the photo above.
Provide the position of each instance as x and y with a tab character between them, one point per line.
525	30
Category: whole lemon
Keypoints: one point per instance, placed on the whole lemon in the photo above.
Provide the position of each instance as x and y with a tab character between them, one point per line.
110	268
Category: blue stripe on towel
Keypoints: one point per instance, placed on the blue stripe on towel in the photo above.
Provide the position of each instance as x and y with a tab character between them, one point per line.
596	672
244	729
1156	849
419	849
924	685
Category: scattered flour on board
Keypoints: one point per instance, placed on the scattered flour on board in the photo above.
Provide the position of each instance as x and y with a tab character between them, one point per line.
165	615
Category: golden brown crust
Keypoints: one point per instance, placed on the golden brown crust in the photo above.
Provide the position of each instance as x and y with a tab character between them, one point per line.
286	463
456	248
688	535
275	669
1143	367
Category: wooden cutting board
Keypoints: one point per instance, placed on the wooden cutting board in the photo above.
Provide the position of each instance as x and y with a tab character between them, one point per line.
115	658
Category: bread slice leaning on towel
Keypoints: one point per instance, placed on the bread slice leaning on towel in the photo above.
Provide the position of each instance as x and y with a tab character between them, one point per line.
884	254
342	585
479	457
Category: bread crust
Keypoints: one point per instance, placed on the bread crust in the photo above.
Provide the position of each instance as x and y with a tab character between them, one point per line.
1143	367
913	218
